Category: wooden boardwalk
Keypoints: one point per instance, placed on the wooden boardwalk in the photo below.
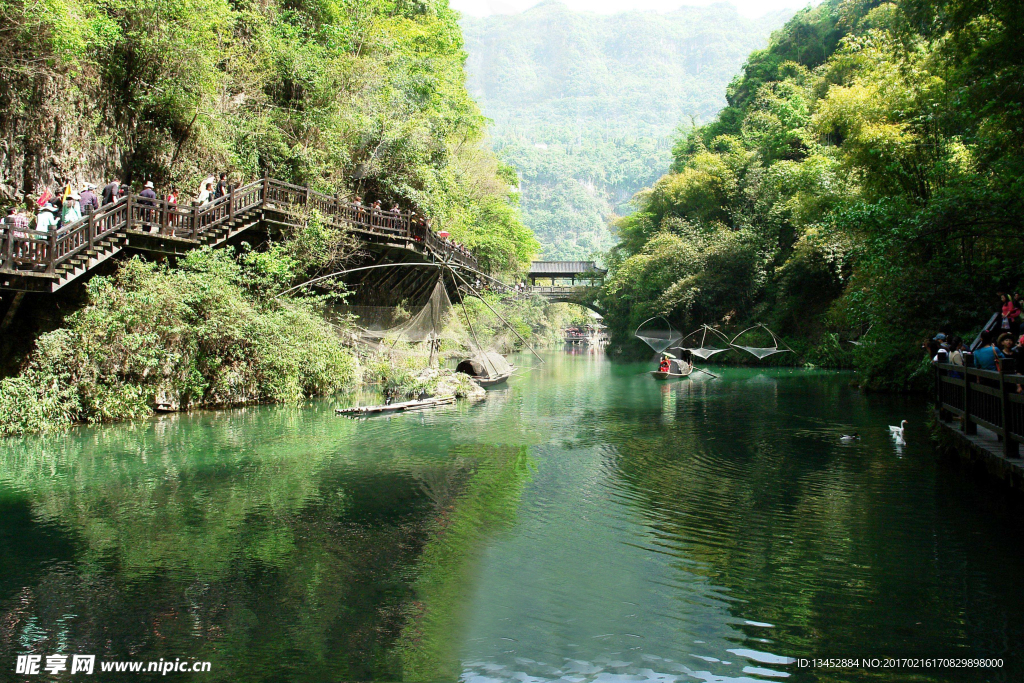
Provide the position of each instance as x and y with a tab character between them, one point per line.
982	414
32	261
986	449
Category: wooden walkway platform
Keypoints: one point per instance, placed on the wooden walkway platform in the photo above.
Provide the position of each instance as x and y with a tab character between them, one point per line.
986	450
33	261
981	413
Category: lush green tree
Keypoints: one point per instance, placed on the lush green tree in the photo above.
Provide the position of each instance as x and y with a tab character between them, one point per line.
349	97
868	169
206	333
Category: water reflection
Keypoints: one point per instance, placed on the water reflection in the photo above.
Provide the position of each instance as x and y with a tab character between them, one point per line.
278	544
587	524
718	529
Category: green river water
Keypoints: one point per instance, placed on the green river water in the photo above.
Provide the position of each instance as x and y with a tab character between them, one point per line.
584	524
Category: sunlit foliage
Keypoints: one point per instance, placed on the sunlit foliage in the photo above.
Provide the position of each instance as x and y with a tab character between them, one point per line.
349	97
203	334
864	181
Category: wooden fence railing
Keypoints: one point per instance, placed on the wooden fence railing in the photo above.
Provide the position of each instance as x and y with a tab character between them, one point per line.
22	250
992	399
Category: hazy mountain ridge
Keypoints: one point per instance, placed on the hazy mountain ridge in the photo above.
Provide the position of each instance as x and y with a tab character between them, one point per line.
585	105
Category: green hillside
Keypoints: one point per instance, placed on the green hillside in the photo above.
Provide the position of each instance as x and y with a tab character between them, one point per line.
864	183
585	106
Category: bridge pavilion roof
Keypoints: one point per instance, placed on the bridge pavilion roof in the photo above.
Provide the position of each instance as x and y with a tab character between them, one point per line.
559	269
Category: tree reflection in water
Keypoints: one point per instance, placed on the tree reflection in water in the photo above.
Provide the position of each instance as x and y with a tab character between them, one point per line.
275	543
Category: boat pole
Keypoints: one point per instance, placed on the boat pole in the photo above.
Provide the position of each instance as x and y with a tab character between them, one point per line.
507	324
462	302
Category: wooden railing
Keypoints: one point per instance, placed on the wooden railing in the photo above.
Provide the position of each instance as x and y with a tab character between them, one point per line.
557	291
336	211
989	398
31	250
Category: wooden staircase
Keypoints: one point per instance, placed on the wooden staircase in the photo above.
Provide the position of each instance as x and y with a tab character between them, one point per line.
47	261
82	263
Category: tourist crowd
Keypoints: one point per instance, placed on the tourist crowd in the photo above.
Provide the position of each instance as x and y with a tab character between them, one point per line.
1000	341
376	215
72	203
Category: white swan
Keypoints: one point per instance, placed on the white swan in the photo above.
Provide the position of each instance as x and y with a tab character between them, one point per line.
897	432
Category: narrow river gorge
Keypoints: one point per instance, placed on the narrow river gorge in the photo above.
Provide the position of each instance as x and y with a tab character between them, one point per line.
586	523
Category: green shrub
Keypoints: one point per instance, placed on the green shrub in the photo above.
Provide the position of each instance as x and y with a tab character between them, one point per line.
199	335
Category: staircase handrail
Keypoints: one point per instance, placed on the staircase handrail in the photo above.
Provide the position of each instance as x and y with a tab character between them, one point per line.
190	223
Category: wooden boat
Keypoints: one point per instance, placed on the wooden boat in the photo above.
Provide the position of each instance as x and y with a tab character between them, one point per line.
491	381
401	406
676	370
488	369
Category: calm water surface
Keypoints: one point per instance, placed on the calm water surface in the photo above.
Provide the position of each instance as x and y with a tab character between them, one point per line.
585	524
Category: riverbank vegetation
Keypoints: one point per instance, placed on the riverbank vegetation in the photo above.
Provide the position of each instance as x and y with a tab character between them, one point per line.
363	98
863	184
212	332
203	334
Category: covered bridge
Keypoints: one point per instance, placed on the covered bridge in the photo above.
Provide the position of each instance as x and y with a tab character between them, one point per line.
585	271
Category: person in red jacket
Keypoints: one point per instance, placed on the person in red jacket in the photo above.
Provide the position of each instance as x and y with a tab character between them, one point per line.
1011	315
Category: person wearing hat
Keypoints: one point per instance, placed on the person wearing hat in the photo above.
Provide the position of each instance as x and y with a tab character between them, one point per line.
1007	354
147	198
1004	345
71	213
942	348
88	201
46	219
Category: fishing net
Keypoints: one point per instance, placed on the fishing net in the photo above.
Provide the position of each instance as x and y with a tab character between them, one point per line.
395	324
703	350
657	333
760	352
438	331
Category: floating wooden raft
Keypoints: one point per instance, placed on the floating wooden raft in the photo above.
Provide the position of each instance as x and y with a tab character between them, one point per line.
397	407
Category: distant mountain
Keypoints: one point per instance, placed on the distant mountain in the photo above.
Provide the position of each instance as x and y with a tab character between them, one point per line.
585	106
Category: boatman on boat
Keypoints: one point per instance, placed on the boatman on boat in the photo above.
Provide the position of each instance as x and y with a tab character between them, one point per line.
664	366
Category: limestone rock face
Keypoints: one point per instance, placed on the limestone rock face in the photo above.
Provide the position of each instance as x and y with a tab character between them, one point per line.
53	132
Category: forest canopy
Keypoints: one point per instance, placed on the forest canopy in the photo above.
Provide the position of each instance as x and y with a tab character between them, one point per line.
864	182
